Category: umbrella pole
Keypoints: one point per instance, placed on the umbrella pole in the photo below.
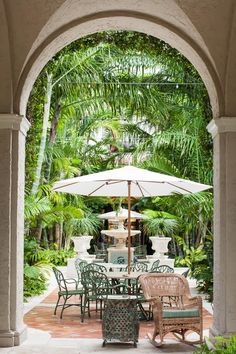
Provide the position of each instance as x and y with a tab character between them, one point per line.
129	228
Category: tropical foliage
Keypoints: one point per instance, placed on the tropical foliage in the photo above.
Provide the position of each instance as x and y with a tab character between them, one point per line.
219	345
99	104
37	264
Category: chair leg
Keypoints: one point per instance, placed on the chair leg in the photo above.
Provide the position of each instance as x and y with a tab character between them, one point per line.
83	307
63	307
81	304
58	300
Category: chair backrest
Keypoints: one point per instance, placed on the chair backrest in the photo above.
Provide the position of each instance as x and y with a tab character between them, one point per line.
79	266
60	279
95	282
140	250
185	274
155	265
164	285
94	266
120	260
138	267
163	269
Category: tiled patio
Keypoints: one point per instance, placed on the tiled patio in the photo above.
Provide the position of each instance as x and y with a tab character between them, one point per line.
42	317
47	334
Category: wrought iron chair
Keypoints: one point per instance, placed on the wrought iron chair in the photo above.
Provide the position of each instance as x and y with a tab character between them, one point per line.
140	251
94	266
138	267
162	269
66	293
174	310
136	289
79	266
97	288
185	274
155	265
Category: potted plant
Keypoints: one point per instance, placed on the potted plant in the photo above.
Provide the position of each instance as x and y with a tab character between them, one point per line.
84	229
159	224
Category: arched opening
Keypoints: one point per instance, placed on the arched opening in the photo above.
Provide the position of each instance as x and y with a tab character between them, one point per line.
124	21
164	28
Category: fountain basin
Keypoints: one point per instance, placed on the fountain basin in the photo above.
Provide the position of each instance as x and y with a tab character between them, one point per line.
120	235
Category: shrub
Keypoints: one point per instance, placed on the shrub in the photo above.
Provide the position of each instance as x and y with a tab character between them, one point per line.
35	281
37	264
60	257
220	345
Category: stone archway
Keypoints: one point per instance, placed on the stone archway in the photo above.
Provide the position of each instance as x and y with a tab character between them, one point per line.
119	20
171	25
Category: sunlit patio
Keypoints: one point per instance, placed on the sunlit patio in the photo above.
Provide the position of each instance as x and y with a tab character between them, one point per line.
50	334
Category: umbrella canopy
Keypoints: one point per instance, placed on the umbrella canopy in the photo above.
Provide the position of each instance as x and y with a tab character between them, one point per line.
122	214
128	182
113	183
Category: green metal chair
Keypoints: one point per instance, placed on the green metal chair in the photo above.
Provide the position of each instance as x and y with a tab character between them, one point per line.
140	251
185	274
66	293
94	266
139	267
79	266
155	265
136	288
163	269
97	288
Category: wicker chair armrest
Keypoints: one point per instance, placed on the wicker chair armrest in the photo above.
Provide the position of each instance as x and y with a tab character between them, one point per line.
154	301
193	300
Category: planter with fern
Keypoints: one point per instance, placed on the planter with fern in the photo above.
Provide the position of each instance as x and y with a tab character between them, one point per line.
160	224
84	229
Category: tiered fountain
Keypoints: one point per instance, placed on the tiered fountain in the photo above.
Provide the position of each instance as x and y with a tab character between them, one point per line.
119	253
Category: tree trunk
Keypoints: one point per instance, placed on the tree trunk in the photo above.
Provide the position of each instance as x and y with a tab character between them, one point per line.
46	116
57	235
50	236
38	231
54	123
52	136
200	229
60	234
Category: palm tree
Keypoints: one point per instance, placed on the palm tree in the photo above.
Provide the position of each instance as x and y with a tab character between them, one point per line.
134	96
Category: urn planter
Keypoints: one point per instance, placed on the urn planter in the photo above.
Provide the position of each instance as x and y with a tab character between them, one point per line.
160	245
81	245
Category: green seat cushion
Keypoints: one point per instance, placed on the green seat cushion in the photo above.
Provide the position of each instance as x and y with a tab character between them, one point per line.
181	313
71	292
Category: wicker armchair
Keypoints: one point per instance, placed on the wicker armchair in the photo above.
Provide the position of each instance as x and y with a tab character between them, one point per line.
174	310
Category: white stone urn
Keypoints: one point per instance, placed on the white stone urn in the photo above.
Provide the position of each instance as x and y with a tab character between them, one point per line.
81	245
160	245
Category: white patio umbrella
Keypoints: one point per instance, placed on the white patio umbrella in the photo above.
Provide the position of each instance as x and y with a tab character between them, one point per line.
128	182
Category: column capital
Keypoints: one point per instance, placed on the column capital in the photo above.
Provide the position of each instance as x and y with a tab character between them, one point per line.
222	125
14	122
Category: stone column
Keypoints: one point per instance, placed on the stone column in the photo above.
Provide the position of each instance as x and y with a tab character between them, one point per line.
223	131
13	130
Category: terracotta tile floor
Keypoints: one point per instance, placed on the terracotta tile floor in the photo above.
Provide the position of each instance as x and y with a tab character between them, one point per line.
41	317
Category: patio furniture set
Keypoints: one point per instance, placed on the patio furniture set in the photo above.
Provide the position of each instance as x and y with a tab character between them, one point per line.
124	298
